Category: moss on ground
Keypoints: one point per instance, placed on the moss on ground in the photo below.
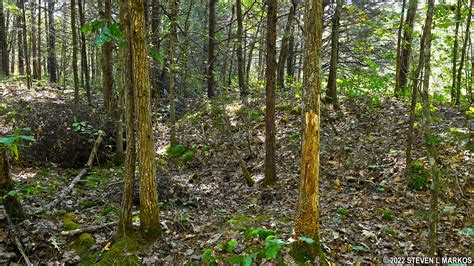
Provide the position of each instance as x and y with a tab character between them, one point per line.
70	222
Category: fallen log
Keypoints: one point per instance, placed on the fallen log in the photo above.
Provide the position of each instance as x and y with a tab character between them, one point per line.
81	174
90	229
18	243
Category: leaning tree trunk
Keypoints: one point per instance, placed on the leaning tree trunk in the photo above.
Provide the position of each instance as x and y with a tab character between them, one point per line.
270	131
12	205
331	92
463	54
149	212
307	212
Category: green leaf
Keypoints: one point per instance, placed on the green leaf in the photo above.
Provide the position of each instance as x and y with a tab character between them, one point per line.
249	259
206	256
273	246
358	248
230	245
156	56
306	239
12	193
467	231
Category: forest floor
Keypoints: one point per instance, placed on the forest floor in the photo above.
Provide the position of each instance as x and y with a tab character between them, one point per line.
367	209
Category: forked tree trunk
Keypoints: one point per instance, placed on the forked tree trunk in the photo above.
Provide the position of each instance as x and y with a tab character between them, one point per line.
307	212
270	131
149	212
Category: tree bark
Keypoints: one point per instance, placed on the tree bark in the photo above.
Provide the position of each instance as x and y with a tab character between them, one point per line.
399	51
227	46
455	51
52	61
211	46
270	131
84	65
34	50
125	220
3	44
21	55
463	54
331	92
172	36
290	61
39	54
12	205
149	212
240	57
74	52
25	45
284	47
406	46
156	29
107	64
307	213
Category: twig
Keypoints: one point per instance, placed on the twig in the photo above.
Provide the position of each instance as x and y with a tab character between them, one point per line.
81	174
17	240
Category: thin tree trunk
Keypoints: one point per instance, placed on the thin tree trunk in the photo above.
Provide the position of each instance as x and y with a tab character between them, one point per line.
331	92
38	68
290	64
284	47
34	50
455	51
107	73
172	35
149	212
399	51
84	65
21	56
25	46
407	45
74	52
156	29
3	44
463	54
52	61
270	131
227	48
210	51
125	221
240	58
249	60
307	212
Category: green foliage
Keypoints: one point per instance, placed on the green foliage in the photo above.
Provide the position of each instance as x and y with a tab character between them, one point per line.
273	247
69	221
12	140
342	212
389	231
175	151
386	214
418	176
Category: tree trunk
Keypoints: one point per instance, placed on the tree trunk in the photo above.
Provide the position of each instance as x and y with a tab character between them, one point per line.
34	50
172	35
125	221
399	51
12	205
331	93
3	44
107	64
84	66
270	169
210	51
227	47
406	46
307	213
240	58
156	29
25	45
252	47
39	54
52	61
149	212
455	51
463	54
290	61
21	56
74	52
284	48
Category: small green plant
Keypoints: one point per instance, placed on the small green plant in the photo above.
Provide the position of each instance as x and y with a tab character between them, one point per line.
418	176
342	212
386	214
